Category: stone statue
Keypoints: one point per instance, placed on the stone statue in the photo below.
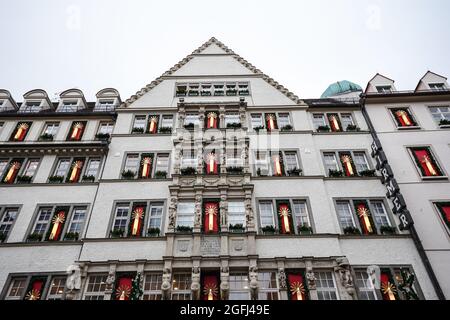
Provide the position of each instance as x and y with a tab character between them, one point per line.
253	275
73	281
172	212
166	285
198	211
343	269
282	278
195	285
224	284
223	206
310	278
110	281
249	212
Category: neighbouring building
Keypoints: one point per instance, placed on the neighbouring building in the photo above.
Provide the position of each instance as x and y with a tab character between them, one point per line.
211	182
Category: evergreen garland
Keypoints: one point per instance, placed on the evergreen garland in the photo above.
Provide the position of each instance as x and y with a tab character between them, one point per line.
136	289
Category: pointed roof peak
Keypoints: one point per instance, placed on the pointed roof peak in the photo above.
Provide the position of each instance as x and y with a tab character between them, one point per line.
210	42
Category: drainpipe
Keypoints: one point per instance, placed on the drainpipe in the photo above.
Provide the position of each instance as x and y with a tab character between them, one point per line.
414	235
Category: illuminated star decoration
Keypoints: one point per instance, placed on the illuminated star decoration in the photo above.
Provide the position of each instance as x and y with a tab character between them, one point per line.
363	213
284	214
33	295
389	289
210	290
123	292
298	289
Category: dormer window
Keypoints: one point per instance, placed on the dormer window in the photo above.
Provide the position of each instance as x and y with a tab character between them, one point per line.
105	105
437	86
181	90
384	89
68	106
31	106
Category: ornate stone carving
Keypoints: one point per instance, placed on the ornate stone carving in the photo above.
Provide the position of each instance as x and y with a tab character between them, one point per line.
110	281
224	285
253	275
249	212
73	281
223	208
166	284
343	269
310	278
195	285
172	212
282	278
198	211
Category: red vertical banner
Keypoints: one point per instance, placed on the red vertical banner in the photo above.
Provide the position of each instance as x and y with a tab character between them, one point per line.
211	214
271	122
210	287
335	124
365	217
211	163
277	163
211	120
444	208
21	131
12	171
153	124
388	289
75	170
137	220
77	131
57	224
347	164
35	288
145	170
403	118
123	288
426	163
297	288
285	218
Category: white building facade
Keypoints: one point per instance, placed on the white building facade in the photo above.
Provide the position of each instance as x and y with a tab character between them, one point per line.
211	182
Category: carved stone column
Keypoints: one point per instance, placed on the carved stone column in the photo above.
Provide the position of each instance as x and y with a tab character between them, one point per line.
242	116
282	280
223	211
198	211
345	283
254	285
311	281
172	212
177	158
110	280
222	117
195	284
224	282
200	158
166	285
249	213
223	156
73	283
201	118
181	115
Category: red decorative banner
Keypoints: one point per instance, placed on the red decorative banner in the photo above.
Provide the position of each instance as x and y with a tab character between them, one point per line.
285	218
123	290
211	164
210	224
13	170
57	225
153	124
211	120
271	122
21	131
365	218
388	289
446	213
334	122
428	167
77	131
347	163
210	287
403	118
296	287
137	217
35	290
146	167
75	172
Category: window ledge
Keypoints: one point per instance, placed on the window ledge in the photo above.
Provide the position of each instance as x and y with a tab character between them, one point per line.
41	243
134	180
434	178
444	126
409	128
340	132
375	236
354	178
49	184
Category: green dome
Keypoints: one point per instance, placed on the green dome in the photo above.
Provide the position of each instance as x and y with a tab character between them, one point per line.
341	87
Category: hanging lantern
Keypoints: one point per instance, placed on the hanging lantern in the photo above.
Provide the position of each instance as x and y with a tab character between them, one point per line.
12	172
427	162
285	215
212	120
58	221
347	161
146	167
403	118
137	216
77	131
363	214
21	131
153	124
211	214
297	290
76	170
277	165
335	123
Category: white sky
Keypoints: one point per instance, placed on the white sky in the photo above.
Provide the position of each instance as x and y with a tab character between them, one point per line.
305	45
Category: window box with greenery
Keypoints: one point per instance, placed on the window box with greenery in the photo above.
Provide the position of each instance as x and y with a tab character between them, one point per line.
102	136
89	178
260	174
236	228
352	127
117	233
235	125
46	137
165	130
193	93
444	122
138	130
2	237
294	172
352	231
304	229
24	179
235	170
160	174
231	92
335	173
184	229
323	129
34	237
56	179
153	232
367	173
71	236
189	126
287	127
258	128
128	174
387	230
268	230
188	171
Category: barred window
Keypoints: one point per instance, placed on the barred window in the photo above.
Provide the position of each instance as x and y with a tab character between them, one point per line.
95	289
326	286
366	290
56	289
16	289
152	286
181	286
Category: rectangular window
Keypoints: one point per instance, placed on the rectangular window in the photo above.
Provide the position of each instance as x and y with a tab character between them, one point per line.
331	163
441	115
444	210
105	128
56	290
426	162
92	167
346	120
68	106
283	120
403	117
236	212
132	162
77	221
437	86
300	211
319	120
167	121
384	89
268	286
42	221
366	290
257	120
16	289
191	119
239	286
96	286
162	163
156	212
181	286
62	167
76	131
152	286
345	214
31	106
20	131
232	118
360	160
379	213
139	124
290	161
189	159
8	216
3	166
266	214
105	105
51	129
70	170
121	217
185	214
326	286
30	167
261	163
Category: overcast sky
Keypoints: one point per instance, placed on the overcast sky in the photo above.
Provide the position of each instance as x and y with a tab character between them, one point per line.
304	45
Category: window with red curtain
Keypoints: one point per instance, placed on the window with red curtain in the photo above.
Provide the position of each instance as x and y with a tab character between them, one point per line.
136	224
21	131
211	162
297	289
403	117
211	120
347	164
285	221
35	288
387	286
335	123
444	209
211	217
210	287
57	223
425	162
365	217
124	285
76	130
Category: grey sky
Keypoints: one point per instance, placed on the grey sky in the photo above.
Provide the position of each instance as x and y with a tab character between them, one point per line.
304	45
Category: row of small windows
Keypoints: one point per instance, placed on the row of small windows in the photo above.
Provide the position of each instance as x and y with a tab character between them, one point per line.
390	283
436	86
35	106
145	218
196	89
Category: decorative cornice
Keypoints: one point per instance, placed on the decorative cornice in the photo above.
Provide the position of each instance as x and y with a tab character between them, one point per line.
184	61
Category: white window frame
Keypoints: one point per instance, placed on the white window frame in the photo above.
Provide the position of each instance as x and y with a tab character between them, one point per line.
189	215
61	288
240	291
326	289
100	281
176	291
270	290
53	125
159	206
22	289
154	292
6	222
234	216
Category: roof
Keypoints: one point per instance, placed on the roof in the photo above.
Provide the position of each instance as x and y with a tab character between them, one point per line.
428	72
340	87
185	60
